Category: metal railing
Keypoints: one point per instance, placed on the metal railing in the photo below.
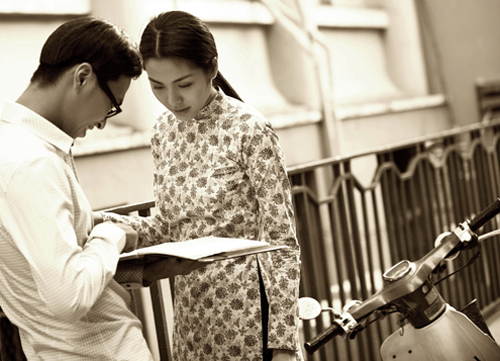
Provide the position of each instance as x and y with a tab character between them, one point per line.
350	231
358	215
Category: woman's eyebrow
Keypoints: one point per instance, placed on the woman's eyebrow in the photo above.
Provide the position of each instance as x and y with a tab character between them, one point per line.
175	81
154	81
182	78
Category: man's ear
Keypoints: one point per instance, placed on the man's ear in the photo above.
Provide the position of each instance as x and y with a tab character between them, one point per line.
82	74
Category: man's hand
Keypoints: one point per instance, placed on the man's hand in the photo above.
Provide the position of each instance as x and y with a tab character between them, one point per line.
131	237
168	267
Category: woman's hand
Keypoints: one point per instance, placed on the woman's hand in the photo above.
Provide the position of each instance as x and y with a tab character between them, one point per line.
131	237
283	355
96	218
168	267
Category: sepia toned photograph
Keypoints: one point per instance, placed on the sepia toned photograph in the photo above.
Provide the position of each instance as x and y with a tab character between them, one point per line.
249	180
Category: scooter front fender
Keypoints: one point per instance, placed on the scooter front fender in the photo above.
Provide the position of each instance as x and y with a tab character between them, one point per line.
451	337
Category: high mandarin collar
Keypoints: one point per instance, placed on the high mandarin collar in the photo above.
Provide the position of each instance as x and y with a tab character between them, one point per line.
211	107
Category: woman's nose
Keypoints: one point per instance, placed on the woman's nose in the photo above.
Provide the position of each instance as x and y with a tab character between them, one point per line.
174	97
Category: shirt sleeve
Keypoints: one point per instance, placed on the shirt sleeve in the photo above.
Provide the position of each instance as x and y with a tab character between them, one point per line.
130	276
280	270
40	212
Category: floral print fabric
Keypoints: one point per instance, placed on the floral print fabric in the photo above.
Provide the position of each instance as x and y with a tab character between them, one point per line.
223	174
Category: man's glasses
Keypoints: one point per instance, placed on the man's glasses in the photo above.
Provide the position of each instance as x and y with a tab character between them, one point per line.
115	109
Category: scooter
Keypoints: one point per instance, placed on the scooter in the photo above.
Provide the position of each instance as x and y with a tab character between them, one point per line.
430	329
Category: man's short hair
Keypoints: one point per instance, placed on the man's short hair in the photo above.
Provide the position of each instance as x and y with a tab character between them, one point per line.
104	45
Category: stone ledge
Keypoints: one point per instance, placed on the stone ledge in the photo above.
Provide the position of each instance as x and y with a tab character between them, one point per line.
229	11
296	118
112	139
394	106
116	138
345	17
45	7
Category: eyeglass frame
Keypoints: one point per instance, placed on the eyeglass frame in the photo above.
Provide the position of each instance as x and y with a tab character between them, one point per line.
105	88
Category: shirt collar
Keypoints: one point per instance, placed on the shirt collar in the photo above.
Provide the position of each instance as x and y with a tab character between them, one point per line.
21	116
211	107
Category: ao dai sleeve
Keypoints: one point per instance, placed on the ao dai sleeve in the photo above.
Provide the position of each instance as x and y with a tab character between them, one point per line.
152	230
280	270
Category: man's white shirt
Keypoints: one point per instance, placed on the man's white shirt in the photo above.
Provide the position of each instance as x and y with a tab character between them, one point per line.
56	271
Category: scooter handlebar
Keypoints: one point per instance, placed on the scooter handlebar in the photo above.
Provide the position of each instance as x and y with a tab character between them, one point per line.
323	338
485	215
336	329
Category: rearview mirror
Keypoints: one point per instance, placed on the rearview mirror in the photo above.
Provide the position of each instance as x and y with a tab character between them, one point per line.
309	308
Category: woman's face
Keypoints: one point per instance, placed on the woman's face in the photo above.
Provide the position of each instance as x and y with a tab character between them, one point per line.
183	88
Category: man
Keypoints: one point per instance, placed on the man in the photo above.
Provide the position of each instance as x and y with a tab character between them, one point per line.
56	268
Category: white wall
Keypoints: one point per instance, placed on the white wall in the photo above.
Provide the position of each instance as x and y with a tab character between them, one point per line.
468	43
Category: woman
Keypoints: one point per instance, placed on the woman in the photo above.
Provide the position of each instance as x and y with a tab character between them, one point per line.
220	171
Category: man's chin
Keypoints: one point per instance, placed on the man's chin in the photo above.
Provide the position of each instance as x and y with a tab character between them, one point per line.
82	133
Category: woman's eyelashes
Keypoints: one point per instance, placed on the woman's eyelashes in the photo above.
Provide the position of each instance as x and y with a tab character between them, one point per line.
159	87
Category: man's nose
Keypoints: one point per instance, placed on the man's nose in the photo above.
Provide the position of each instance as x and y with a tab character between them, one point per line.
102	124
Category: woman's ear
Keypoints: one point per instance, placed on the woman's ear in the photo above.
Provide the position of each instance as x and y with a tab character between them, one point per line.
215	67
82	74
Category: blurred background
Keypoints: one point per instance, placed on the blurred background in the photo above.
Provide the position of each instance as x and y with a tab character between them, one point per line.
386	111
335	77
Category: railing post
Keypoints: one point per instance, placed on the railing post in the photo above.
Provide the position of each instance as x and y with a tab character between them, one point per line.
160	315
160	322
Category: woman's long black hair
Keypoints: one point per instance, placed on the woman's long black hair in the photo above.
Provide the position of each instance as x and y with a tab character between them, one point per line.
181	35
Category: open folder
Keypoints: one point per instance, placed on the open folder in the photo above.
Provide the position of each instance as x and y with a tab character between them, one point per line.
206	249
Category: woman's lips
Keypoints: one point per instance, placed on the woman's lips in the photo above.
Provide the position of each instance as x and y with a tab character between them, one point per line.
181	111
